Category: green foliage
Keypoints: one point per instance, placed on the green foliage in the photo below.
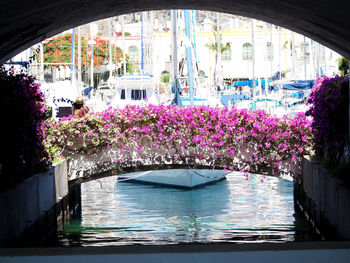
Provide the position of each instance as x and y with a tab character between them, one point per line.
213	44
165	77
48	113
343	66
130	68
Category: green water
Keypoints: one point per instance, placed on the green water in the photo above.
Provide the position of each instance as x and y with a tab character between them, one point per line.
233	210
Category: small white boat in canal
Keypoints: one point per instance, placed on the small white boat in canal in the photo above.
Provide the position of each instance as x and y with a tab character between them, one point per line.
180	178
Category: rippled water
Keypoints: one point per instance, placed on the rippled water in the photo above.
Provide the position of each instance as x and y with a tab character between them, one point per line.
233	210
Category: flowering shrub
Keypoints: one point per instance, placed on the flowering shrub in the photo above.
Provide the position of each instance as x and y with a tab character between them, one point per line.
23	108
232	139
58	50
329	102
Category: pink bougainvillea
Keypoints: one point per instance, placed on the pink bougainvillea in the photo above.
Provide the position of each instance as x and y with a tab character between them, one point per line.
329	103
23	109
231	139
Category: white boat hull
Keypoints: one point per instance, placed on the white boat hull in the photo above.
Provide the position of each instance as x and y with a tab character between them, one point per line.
181	178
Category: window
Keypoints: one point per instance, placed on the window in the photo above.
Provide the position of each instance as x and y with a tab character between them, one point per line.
247	51
133	53
269	51
226	54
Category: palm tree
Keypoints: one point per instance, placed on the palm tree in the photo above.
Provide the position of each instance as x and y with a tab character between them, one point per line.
214	46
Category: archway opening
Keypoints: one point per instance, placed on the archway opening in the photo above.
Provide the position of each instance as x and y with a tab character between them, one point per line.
228	54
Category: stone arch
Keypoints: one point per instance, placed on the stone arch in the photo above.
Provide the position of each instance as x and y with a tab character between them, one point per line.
24	23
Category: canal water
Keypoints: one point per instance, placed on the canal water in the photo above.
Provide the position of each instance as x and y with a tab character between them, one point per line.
233	210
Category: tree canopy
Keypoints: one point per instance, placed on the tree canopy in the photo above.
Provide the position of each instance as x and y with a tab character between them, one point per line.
214	45
58	50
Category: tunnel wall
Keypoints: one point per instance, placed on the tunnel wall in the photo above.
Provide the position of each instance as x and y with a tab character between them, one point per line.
325	199
31	211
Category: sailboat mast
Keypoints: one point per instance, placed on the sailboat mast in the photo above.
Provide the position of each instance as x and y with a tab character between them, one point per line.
218	51
253	61
188	54
293	56
123	38
110	48
272	50
305	72
79	58
42	61
266	49
174	55
279	53
194	37
318	59
72	57
142	45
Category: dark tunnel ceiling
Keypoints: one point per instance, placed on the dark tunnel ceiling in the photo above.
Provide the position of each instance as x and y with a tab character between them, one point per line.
27	22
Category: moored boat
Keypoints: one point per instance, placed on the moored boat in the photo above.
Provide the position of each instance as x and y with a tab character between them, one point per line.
180	178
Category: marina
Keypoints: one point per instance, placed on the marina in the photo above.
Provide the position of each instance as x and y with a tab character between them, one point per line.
258	78
175	135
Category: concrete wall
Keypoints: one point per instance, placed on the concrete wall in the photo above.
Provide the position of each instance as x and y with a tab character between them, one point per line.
325	199
28	210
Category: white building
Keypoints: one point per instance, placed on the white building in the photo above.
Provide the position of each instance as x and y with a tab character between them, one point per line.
272	53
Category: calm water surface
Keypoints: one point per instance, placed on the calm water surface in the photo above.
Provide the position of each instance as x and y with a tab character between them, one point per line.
233	210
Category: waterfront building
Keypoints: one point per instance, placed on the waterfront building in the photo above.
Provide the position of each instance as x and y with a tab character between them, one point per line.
275	48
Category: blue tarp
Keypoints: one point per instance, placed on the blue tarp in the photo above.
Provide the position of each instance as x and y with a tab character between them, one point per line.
248	83
299	85
87	90
233	98
277	75
21	63
299	94
135	77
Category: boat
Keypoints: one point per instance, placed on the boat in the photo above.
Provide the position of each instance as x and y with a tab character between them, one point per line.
269	104
294	94
134	90
179	178
60	96
202	95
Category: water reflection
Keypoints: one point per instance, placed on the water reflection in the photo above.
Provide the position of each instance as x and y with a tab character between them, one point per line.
233	210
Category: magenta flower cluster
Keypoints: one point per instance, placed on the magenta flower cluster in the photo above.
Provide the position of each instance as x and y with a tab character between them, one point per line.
23	109
329	102
232	139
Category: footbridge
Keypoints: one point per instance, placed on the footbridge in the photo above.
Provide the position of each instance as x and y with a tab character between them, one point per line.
134	139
